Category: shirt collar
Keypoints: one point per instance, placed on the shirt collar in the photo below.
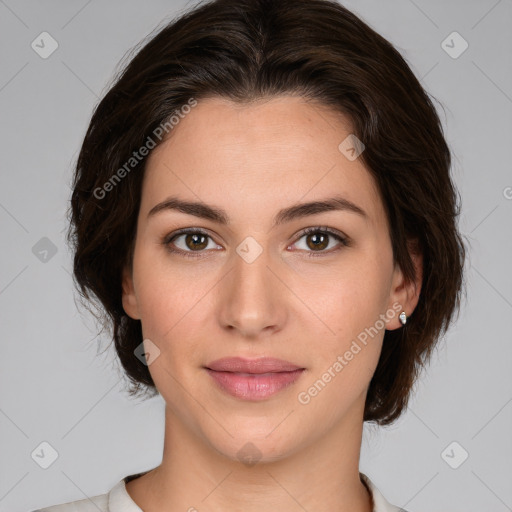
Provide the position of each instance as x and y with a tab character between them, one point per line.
380	504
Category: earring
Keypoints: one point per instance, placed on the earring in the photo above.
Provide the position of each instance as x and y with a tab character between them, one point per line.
403	318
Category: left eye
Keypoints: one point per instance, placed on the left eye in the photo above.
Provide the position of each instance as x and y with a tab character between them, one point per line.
318	240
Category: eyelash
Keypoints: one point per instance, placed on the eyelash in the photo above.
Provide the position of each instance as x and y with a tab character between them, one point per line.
344	241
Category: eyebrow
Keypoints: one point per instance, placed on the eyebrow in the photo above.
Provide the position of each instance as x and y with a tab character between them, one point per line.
297	211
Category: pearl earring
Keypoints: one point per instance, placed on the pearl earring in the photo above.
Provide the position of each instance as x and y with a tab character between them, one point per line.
403	318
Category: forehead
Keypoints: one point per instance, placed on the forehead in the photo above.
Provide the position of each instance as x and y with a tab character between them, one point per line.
255	156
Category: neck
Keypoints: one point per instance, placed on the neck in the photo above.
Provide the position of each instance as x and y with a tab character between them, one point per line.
323	476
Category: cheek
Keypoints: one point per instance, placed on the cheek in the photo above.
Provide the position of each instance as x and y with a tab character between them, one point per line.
174	305
352	301
344	360
166	293
168	313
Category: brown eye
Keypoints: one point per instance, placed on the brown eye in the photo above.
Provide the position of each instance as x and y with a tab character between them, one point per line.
189	242
195	241
317	240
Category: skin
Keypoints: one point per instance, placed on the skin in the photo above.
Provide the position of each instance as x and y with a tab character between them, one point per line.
251	161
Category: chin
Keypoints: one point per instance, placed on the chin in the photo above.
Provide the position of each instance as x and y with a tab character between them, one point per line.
251	444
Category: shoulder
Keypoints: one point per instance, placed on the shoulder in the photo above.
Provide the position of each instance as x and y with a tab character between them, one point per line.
97	503
116	500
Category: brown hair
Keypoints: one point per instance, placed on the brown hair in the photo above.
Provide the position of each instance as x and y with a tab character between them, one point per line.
245	50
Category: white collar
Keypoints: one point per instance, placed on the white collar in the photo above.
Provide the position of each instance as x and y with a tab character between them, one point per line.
380	504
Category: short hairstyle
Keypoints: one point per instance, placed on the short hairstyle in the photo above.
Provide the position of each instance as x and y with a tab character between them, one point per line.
246	50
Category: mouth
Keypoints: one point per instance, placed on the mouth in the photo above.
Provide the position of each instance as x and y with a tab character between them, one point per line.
253	379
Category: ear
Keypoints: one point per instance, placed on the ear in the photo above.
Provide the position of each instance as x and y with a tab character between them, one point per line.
129	298
405	294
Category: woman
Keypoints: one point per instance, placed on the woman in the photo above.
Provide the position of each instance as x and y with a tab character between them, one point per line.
263	209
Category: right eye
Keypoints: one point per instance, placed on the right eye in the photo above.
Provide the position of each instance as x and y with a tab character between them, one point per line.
188	241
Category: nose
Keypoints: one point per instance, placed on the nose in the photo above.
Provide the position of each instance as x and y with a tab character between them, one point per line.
252	296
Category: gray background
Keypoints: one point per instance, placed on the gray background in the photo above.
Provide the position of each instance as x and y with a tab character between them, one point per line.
54	387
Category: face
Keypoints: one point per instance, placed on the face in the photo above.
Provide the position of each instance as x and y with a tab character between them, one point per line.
251	283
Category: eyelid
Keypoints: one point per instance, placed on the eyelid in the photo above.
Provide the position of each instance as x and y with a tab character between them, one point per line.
167	239
344	240
174	234
322	229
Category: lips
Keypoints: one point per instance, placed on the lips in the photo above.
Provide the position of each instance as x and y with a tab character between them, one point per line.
256	366
253	379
